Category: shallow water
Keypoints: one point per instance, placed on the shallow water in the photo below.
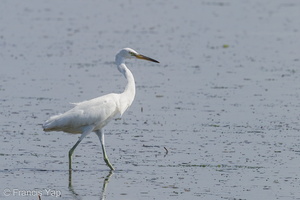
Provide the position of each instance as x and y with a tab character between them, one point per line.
223	102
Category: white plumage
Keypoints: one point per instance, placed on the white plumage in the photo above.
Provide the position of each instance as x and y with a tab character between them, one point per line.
95	112
92	115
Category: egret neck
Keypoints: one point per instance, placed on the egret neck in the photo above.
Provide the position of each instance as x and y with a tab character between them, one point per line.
126	97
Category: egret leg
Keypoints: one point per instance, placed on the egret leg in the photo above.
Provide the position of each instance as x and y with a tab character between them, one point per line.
100	134
71	152
85	133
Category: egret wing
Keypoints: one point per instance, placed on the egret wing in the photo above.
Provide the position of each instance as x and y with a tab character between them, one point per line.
97	112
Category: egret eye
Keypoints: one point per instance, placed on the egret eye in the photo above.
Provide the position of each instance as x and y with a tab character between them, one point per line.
132	54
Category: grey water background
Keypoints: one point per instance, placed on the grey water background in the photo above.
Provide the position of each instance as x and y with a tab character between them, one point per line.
224	101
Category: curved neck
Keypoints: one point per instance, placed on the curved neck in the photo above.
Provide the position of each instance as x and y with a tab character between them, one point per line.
128	95
130	87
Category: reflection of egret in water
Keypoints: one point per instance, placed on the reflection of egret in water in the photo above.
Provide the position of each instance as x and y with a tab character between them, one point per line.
78	197
105	182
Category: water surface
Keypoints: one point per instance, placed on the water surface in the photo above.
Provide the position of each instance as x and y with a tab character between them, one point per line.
224	101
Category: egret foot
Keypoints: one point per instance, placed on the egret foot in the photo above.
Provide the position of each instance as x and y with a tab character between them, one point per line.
109	164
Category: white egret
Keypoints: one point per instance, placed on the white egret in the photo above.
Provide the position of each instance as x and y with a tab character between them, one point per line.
92	115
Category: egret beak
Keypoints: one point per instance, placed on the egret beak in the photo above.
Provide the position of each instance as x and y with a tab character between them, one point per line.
140	56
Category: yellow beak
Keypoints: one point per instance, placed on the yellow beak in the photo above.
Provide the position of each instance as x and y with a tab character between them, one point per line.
140	56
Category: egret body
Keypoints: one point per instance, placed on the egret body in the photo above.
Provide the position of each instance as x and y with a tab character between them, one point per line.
92	115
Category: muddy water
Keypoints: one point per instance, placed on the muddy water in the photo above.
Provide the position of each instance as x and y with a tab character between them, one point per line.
217	119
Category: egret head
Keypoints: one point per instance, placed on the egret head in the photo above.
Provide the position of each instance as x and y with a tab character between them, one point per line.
128	53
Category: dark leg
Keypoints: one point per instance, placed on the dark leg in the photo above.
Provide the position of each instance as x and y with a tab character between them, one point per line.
85	133
100	134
